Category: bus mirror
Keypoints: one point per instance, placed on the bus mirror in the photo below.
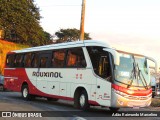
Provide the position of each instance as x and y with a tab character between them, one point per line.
156	64
115	55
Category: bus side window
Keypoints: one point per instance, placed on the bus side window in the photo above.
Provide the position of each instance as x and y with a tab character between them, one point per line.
28	60
18	60
34	63
58	58
100	62
71	62
10	60
43	62
75	58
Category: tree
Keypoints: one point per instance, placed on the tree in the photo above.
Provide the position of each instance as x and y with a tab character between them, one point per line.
70	35
19	19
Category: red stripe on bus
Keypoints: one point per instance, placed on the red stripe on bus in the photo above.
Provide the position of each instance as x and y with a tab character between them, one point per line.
132	92
93	102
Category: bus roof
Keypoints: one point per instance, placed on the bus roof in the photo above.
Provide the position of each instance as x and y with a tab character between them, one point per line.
136	54
65	45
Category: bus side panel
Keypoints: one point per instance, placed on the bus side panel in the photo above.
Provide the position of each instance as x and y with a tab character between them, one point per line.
103	92
13	79
8	73
64	86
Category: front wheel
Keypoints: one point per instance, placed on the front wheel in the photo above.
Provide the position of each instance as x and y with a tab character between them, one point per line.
81	100
25	93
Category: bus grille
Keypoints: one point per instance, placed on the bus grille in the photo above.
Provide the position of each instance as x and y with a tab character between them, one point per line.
131	97
138	97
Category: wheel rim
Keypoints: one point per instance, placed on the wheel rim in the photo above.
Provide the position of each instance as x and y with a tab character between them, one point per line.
25	92
82	100
1	87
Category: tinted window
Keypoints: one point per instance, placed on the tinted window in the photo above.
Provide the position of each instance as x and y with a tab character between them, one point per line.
43	62
10	60
58	58
75	58
18	60
100	62
28	59
35	61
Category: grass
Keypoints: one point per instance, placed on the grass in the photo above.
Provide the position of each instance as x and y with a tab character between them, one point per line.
6	47
155	102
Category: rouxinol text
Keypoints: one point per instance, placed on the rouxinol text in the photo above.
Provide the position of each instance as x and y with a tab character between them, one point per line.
47	74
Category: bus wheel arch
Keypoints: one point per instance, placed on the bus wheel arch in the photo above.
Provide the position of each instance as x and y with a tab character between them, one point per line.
81	98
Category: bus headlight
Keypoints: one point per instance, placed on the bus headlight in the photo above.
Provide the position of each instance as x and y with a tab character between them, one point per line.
130	92
120	102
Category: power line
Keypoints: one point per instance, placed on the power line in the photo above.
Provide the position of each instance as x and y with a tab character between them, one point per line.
62	6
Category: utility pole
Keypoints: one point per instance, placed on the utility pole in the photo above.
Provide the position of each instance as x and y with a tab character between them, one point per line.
82	20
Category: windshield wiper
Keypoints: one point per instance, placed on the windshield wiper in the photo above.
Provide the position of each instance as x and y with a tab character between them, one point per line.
136	74
139	75
133	75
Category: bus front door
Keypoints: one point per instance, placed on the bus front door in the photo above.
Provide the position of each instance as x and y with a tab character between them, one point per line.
103	81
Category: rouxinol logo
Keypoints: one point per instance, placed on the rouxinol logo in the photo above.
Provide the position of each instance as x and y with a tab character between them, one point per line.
47	74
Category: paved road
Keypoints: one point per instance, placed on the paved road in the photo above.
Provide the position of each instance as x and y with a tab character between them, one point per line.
61	110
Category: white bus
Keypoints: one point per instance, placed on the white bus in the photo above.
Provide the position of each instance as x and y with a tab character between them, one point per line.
87	72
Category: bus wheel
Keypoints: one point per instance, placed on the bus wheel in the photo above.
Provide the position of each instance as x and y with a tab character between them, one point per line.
1	87
81	100
25	93
114	109
52	99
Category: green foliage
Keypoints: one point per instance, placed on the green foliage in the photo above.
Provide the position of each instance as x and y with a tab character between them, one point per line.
155	102
5	47
70	35
19	19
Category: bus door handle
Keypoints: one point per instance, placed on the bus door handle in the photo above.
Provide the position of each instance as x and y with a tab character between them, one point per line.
98	86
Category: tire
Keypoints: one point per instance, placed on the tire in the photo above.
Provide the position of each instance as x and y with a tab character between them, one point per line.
52	99
25	93
153	95
114	109
81	100
1	87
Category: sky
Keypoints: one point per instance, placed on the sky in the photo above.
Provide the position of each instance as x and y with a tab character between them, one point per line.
131	25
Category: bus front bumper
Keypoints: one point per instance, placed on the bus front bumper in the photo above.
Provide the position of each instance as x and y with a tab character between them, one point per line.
123	100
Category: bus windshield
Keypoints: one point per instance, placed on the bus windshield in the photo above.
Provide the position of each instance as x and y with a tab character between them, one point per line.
132	71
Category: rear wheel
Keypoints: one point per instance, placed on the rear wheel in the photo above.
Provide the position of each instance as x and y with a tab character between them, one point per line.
81	100
25	93
1	87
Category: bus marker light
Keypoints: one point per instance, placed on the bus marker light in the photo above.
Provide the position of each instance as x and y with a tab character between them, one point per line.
130	91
